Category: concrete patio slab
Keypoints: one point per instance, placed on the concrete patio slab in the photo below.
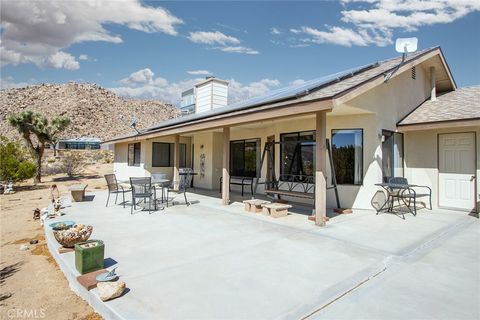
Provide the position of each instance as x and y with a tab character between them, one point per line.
207	261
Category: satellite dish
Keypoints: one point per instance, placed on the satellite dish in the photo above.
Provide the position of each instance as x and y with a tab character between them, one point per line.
403	46
406	45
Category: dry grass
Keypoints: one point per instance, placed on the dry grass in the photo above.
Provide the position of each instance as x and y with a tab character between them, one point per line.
92	316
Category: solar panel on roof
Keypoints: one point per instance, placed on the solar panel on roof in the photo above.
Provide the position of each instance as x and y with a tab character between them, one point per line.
298	90
270	97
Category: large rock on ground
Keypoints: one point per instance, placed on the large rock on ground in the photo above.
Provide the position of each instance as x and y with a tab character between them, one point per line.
110	290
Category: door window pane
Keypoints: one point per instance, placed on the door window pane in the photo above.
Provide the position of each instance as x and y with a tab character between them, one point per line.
392	155
245	158
347	154
298	153
133	157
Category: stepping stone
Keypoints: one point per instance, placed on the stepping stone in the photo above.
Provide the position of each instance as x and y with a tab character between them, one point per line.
276	210
254	205
88	280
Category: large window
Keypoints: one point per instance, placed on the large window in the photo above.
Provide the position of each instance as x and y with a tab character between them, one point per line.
134	154
163	154
392	155
245	158
298	153
347	154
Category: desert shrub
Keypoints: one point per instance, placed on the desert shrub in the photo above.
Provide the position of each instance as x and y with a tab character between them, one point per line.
15	164
73	163
49	169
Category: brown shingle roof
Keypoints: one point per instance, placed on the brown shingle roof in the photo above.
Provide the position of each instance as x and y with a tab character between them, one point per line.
461	104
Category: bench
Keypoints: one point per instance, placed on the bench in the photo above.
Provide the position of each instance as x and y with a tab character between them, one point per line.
239	181
78	192
300	186
254	205
276	210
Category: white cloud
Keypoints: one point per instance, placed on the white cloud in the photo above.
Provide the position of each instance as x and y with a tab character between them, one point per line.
239	49
143	84
199	72
374	22
205	37
274	30
60	60
144	76
35	31
347	37
83	57
9	82
220	41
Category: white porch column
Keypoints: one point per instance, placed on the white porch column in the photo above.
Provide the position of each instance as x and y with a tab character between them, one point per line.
176	162
226	167
321	166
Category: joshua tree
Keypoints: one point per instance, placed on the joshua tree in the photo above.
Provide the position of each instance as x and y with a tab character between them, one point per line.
56	127
29	123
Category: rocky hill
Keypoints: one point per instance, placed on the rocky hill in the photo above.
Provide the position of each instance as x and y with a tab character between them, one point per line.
94	111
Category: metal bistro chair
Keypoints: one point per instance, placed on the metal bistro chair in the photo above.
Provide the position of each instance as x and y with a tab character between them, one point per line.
114	187
142	189
183	185
409	193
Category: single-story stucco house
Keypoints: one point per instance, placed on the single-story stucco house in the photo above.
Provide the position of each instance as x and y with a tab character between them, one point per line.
391	118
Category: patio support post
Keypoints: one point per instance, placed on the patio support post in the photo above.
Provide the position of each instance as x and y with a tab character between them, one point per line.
321	166
226	167
176	162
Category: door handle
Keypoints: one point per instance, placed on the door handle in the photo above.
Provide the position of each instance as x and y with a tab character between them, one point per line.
472	178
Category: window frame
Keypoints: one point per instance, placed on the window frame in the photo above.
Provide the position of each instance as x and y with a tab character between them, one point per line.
171	154
363	155
298	133
134	162
258	144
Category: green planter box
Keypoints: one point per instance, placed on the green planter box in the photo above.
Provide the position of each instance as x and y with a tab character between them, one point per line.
88	256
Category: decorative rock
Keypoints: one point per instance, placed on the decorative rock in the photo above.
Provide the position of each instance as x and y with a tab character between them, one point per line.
68	238
23	247
34	241
110	290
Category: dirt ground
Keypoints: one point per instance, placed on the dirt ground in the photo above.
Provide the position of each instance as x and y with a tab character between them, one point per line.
31	284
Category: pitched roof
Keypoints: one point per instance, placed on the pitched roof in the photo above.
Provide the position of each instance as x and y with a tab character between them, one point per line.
461	104
328	87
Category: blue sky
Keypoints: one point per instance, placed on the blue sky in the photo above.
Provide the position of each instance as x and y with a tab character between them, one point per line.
157	49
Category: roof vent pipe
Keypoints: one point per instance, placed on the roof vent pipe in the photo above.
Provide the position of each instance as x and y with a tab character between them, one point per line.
433	93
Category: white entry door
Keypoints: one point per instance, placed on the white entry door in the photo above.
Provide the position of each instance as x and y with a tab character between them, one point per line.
456	168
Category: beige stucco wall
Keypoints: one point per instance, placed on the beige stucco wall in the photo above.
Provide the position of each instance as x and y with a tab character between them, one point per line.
421	158
379	108
124	171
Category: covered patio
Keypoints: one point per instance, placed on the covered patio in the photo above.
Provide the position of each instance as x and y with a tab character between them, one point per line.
209	261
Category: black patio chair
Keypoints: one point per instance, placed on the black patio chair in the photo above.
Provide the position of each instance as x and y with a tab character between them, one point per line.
409	193
143	189
182	186
114	187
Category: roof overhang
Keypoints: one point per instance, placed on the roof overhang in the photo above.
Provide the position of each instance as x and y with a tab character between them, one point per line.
268	112
355	91
439	125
